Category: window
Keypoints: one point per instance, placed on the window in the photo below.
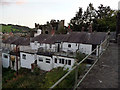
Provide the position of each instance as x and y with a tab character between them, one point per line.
5	56
66	62
69	45
24	56
62	61
69	62
59	60
47	60
50	45
76	44
35	42
55	60
40	59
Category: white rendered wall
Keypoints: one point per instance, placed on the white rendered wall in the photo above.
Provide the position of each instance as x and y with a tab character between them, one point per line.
85	48
34	46
5	61
24	48
74	46
43	65
38	32
26	63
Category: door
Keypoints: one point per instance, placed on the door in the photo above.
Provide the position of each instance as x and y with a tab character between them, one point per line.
58	48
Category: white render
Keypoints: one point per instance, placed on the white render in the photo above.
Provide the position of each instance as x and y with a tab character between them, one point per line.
73	48
22	48
34	45
58	64
85	48
5	61
26	63
38	32
43	65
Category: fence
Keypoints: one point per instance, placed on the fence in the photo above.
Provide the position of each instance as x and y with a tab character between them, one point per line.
74	77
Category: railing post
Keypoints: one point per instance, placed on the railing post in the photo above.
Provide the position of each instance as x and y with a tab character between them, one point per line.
98	51
76	77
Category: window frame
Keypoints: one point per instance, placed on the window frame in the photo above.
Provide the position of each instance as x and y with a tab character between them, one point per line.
60	60
24	56
63	61
5	56
69	62
69	45
40	59
55	60
47	61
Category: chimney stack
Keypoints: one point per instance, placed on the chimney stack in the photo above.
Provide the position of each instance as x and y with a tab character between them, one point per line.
90	28
83	28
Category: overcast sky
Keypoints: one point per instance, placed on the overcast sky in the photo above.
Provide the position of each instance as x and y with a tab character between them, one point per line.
28	12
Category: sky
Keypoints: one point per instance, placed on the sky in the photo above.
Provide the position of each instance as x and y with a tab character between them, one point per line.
29	12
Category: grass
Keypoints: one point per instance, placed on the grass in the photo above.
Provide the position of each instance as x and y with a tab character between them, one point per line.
27	79
38	79
14	28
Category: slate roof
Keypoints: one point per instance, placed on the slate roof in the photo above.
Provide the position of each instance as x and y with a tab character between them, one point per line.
10	39
22	41
73	37
17	40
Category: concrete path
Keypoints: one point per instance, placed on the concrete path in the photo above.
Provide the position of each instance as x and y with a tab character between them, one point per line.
105	73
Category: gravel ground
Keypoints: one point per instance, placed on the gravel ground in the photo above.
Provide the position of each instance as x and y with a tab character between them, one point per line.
105	73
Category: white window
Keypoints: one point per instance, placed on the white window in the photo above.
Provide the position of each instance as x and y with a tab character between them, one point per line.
50	45
76	44
69	62
40	59
35	42
5	56
69	45
55	60
47	60
66	62
23	56
62	61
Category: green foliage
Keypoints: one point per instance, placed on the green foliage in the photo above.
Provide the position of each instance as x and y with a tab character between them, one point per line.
36	71
27	79
53	76
102	19
7	74
14	28
79	56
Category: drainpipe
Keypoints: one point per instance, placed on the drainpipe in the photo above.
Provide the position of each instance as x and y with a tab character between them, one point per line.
17	59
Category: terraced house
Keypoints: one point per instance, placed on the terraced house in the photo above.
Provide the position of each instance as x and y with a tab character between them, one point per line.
51	51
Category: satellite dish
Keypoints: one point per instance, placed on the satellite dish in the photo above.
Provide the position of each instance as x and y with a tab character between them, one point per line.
119	5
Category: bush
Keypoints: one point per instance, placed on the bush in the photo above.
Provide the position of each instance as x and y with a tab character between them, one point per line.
79	56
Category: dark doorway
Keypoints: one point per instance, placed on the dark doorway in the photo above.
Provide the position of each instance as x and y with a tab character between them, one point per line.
94	47
58	49
46	32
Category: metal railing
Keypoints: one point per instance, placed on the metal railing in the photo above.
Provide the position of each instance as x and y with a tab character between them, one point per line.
76	73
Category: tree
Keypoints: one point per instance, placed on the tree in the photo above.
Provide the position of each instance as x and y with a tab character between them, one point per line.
102	20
